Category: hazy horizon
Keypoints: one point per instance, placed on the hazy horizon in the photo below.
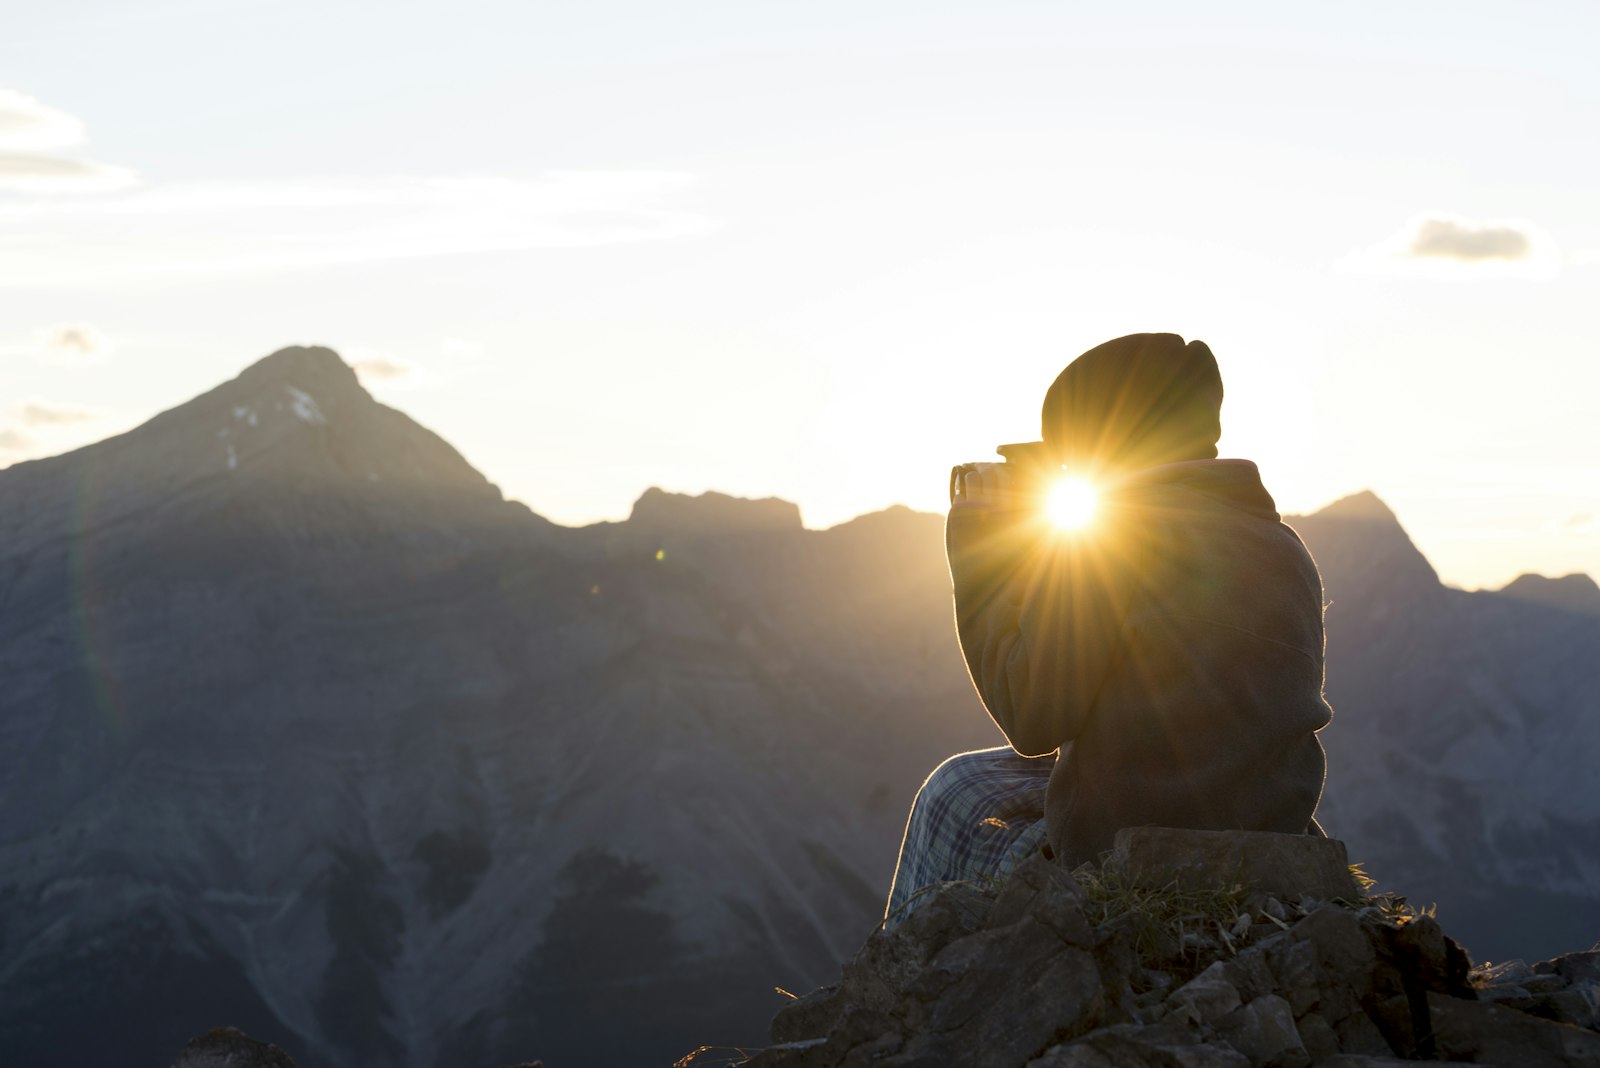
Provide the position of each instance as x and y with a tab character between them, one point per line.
713	491
824	253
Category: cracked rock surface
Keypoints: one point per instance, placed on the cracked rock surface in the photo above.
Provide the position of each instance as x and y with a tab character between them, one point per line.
1057	969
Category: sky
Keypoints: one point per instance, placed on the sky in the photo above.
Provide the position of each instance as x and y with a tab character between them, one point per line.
823	251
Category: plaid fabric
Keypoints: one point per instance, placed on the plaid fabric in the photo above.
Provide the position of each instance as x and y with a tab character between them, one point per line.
979	813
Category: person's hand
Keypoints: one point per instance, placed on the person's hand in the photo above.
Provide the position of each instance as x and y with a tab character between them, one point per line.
986	485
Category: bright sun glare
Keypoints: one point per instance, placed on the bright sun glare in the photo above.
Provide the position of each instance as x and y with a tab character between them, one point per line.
1071	503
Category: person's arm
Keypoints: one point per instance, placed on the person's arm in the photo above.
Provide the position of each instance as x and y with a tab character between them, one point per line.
1037	615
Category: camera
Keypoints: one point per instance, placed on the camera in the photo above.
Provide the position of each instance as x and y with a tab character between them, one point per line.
1032	465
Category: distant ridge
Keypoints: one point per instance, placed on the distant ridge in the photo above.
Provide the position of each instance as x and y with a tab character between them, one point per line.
1575	593
712	512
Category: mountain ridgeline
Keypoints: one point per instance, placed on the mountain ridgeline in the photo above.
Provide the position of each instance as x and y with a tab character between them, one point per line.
309	731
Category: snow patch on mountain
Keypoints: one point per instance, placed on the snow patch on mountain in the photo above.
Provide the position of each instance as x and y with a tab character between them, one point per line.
305	406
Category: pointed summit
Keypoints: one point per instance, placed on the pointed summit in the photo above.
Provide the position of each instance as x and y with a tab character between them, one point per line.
1363	552
302	365
293	434
1364	505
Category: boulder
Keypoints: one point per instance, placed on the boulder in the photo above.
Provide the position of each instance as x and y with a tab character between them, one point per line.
1264	1031
1483	1033
1283	865
229	1047
1572	966
1136	1046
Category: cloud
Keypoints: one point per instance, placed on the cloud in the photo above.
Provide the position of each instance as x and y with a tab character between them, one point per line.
375	369
28	125
1457	239
72	343
14	441
53	174
211	229
1440	245
29	128
35	413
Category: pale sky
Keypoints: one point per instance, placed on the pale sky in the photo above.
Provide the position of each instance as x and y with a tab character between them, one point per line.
823	251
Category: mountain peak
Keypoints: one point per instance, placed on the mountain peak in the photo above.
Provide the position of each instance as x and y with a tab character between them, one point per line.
1362	548
306	362
293	426
302	371
1365	505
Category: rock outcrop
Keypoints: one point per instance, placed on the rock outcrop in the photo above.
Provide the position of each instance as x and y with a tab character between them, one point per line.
229	1047
1109	967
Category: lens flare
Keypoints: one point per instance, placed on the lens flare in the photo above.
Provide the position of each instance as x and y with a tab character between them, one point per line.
1071	504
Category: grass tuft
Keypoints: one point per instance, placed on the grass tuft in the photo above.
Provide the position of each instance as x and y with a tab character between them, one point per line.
709	1056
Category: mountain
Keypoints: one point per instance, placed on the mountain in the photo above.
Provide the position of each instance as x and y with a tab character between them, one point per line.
1466	727
309	731
1575	593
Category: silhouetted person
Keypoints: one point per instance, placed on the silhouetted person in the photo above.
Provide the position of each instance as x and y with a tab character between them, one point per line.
1162	666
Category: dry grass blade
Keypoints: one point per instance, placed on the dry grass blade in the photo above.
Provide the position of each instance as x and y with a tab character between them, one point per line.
708	1056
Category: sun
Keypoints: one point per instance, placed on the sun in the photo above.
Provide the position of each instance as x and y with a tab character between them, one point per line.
1071	504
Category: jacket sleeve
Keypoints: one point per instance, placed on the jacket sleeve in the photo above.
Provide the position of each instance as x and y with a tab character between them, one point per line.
1039	616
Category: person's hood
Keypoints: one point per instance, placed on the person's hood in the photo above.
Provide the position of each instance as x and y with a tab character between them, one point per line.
1236	483
1135	402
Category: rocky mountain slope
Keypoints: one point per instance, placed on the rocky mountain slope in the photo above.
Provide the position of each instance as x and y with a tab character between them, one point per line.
307	730
1466	727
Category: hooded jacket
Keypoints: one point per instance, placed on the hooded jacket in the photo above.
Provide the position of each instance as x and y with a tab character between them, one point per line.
1172	650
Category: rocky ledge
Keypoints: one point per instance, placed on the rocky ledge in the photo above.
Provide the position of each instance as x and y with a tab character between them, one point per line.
1185	950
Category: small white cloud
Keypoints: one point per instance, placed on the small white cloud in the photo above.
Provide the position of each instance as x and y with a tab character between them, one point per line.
383	369
228	228
58	174
28	132
13	442
1456	239
72	343
27	125
37	413
1439	245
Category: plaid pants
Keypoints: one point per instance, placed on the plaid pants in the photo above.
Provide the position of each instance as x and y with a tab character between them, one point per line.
979	813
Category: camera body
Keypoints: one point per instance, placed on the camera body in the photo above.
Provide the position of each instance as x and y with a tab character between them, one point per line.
1032	465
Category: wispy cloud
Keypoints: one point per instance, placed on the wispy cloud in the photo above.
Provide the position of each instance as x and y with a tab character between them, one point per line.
219	228
72	343
49	174
376	369
29	125
31	135
13	443
1440	245
37	413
